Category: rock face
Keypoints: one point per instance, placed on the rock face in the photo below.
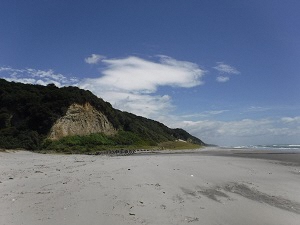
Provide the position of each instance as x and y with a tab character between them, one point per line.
81	120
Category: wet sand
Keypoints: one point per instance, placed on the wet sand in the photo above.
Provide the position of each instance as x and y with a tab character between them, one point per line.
207	186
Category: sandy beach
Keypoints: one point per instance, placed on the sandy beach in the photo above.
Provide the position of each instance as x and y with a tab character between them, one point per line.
197	187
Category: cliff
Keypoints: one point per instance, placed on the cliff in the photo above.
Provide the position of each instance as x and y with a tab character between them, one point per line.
81	120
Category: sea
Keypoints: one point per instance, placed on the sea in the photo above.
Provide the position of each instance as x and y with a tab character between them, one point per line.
274	147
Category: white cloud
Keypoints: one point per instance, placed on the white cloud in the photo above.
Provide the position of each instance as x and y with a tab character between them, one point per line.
34	76
291	119
224	68
216	112
204	114
136	74
131	83
222	79
94	59
257	109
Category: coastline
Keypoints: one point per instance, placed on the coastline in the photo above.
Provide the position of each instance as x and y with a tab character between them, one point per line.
206	186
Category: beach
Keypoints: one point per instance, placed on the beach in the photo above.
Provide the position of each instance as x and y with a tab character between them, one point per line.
206	186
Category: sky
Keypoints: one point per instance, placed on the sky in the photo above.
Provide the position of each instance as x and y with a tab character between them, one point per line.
227	71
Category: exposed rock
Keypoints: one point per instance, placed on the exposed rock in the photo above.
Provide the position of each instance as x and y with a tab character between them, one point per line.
81	120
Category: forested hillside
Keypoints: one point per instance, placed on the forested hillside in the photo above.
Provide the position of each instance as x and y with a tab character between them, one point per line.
27	113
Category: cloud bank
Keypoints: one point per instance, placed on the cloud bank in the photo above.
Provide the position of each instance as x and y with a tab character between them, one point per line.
243	132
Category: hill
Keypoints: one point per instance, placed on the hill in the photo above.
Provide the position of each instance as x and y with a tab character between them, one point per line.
38	117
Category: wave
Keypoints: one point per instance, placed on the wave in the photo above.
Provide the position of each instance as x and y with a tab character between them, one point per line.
278	147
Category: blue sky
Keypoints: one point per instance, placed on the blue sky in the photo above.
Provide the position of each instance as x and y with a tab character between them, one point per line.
226	71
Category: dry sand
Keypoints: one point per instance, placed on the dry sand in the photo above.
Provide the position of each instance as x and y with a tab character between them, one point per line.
190	188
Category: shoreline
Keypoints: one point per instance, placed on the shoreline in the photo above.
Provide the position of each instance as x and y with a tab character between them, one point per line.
288	156
202	187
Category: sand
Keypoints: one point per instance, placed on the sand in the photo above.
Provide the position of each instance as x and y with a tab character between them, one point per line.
196	187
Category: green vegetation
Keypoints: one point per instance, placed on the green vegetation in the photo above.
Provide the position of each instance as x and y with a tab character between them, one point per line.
96	142
27	113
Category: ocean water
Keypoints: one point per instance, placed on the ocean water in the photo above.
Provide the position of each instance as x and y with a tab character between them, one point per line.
273	147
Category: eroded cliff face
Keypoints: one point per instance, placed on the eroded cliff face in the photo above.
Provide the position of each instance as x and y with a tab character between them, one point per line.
81	120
